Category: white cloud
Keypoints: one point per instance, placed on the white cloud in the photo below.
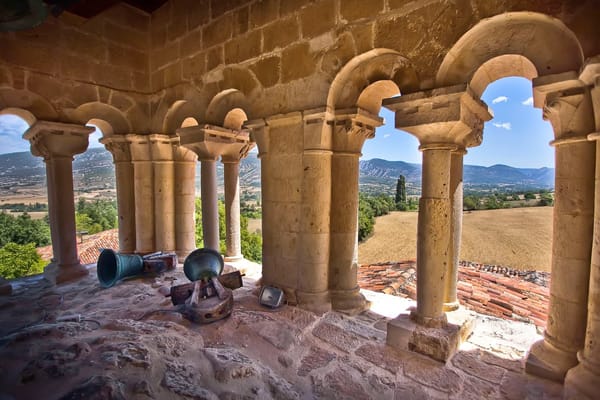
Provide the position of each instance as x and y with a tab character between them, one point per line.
528	102
500	99
11	134
503	125
387	135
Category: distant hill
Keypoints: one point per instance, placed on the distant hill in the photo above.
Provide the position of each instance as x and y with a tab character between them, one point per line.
94	169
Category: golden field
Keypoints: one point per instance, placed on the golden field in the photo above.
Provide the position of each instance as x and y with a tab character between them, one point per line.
519	237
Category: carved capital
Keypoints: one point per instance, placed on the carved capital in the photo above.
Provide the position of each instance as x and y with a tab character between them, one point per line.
118	146
259	134
210	142
351	128
161	147
139	146
55	139
444	115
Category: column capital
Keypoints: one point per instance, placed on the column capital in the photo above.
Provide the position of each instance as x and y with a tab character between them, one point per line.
139	146
351	128
118	146
210	141
183	154
161	146
317	133
259	133
443	115
56	139
566	104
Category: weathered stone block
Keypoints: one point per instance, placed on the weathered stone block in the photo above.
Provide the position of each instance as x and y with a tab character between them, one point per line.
336	336
241	21
126	15
381	356
281	33
194	67
214	58
125	36
220	7
29	55
267	71
177	27
191	43
296	62
127	58
199	14
158	36
173	74
263	12
315	359
356	9
218	31
75	41
243	47
317	18
164	56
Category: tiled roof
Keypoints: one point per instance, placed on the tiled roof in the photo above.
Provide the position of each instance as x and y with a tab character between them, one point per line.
491	290
90	248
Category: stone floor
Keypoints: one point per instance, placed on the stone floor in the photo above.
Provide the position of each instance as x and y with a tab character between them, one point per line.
130	344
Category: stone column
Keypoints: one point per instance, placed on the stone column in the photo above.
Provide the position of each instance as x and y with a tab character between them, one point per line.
584	379
233	238
118	146
143	183
210	207
185	200
161	149
350	130
444	120
58	143
456	210
568	107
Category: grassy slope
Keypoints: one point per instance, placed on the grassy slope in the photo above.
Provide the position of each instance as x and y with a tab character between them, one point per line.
520	238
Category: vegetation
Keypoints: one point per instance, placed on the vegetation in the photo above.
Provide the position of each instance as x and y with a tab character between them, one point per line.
22	207
95	216
17	260
251	242
370	207
23	230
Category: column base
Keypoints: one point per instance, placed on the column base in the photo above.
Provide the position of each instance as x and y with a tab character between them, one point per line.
318	303
549	362
439	341
582	381
233	258
182	254
451	306
57	274
349	302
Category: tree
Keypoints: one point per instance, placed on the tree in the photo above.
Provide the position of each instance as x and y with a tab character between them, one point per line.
18	260
401	192
23	229
470	203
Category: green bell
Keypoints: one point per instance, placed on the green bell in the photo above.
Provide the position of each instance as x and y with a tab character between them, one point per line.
112	267
203	264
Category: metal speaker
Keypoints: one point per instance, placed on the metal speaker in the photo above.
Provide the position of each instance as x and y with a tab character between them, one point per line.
203	264
112	267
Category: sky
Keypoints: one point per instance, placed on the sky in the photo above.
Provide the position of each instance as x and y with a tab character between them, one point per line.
516	136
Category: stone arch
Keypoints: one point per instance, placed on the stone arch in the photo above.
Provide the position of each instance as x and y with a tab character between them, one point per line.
189	121
222	109
545	41
26	100
119	124
25	115
105	127
501	67
177	115
366	69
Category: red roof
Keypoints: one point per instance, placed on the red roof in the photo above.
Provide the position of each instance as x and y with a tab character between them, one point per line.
88	249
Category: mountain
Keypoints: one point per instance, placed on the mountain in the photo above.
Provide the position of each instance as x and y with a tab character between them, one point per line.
94	170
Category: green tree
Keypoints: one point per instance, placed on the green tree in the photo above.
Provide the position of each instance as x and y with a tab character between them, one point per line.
23	229
18	260
401	192
470	203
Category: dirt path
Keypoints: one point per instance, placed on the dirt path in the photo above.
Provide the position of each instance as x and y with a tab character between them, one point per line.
520	238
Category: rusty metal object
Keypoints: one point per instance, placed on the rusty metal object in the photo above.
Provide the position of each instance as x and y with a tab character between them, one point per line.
203	310
160	262
179	294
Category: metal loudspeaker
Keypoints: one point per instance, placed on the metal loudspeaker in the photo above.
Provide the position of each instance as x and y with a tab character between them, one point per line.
112	267
203	264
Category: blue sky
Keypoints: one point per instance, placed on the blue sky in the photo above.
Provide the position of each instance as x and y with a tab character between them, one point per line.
516	136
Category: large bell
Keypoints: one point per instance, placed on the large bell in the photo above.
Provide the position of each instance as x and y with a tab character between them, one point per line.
203	264
112	267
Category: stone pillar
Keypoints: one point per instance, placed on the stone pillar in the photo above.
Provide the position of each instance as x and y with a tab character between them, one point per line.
350	130
185	200
456	215
444	120
58	143
143	183
118	146
161	149
313	252
210	207
233	239
584	379
568	107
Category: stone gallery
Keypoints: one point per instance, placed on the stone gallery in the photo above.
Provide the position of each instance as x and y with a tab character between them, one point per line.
174	83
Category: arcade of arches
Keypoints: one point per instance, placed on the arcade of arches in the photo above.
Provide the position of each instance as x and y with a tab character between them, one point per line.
304	81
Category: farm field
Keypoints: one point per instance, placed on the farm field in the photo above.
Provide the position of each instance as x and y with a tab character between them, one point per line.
520	238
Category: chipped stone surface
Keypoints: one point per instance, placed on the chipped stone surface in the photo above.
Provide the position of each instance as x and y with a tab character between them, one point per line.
287	353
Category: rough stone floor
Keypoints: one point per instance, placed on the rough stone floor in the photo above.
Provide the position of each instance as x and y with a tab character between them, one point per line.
121	351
